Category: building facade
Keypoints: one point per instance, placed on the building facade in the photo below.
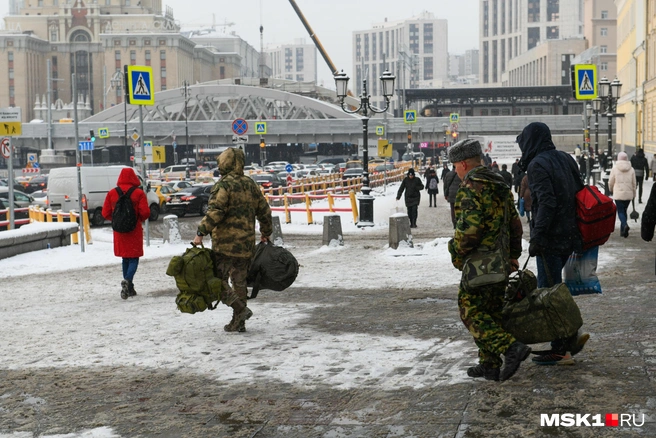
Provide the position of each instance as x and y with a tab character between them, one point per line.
94	40
415	50
509	28
295	62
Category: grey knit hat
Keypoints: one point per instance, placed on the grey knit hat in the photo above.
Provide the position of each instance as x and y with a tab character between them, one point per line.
465	149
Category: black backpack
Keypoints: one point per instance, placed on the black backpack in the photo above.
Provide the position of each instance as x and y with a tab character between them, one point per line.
124	218
273	267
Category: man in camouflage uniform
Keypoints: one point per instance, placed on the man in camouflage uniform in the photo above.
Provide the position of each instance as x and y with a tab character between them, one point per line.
235	202
480	203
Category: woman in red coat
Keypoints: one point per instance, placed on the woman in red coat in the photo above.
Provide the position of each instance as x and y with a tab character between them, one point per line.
128	245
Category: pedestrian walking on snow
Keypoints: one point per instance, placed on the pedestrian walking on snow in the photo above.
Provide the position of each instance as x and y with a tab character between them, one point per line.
641	166
128	245
235	202
412	187
622	184
487	219
432	186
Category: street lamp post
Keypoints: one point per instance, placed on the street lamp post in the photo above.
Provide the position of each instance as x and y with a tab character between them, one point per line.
445	128
366	201
596	107
185	93
115	83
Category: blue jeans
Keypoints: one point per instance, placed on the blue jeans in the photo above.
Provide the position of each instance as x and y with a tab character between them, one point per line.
130	268
554	263
621	212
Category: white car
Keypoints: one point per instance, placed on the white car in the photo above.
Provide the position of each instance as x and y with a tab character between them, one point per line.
178	185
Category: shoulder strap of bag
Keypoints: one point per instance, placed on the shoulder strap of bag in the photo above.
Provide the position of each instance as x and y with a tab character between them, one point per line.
132	189
119	191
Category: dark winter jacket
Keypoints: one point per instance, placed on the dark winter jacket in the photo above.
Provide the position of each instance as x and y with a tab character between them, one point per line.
507	177
128	245
514	170
413	187
553	179
445	170
649	217
451	184
430	191
640	164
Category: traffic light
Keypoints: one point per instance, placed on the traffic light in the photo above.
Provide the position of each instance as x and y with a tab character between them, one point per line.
409	135
92	137
454	134
262	144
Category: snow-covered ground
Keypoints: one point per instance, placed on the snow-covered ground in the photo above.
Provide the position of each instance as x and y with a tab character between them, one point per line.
81	321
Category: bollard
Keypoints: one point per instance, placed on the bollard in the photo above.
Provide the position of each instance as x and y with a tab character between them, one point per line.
171	229
399	230
332	230
276	236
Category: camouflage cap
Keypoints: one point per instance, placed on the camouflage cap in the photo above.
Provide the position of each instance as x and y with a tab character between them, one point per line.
465	149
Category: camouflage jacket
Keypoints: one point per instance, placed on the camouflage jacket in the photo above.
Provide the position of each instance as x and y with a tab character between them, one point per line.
479	211
235	202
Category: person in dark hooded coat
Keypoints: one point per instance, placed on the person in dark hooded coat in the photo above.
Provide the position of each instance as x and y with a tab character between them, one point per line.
553	179
412	187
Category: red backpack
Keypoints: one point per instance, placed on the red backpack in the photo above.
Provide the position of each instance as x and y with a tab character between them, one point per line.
595	216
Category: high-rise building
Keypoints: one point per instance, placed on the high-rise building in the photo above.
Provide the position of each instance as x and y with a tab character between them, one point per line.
415	50
295	61
509	28
600	17
471	62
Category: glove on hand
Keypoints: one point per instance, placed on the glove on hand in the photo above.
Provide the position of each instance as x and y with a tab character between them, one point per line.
534	249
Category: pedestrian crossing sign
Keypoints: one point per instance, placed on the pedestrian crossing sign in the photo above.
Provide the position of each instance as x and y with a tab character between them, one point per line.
140	85
103	133
584	81
410	116
260	128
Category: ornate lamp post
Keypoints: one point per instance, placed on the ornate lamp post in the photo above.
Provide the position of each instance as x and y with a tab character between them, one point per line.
445	129
596	107
366	201
185	92
609	92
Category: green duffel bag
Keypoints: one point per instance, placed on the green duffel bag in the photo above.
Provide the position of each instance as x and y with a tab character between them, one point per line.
194	276
543	315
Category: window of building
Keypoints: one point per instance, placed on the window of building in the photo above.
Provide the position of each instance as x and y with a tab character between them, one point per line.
11	73
534	11
604	31
133	57
552	33
127	2
495	111
484	112
221	72
299	59
40	3
505	112
539	111
146	42
162	72
162	55
374	46
428	37
604	15
147	57
366	47
486	16
117	55
299	78
553	10
528	111
603	49
80	36
603	66
428	68
11	91
533	37
414	38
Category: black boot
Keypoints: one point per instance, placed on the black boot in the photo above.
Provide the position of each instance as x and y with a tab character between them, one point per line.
514	356
131	291
125	289
483	370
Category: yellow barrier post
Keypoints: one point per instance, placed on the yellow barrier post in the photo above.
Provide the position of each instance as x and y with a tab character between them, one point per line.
308	202
72	218
42	214
87	230
31	213
288	215
48	215
354	206
60	216
331	203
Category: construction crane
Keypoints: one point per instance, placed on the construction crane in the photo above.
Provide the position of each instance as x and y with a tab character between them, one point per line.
314	37
225	25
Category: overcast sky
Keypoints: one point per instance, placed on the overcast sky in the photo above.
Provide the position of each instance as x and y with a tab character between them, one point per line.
332	20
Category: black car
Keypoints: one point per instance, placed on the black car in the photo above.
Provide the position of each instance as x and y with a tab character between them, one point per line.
4	217
354	172
268	180
192	199
37	183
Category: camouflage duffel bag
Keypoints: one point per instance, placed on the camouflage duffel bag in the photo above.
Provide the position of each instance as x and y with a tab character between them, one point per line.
484	267
543	315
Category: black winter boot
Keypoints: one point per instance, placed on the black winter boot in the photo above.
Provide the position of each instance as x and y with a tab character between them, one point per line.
125	289
131	291
514	356
483	370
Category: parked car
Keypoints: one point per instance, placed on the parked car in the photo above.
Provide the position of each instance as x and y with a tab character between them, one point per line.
4	205
163	192
178	171
20	198
268	180
332	160
354	164
384	167
354	172
39	182
178	185
40	198
192	199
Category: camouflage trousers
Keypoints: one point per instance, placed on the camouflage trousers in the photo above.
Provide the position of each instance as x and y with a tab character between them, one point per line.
232	270
480	311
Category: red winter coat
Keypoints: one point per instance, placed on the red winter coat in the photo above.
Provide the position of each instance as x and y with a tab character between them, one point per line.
128	245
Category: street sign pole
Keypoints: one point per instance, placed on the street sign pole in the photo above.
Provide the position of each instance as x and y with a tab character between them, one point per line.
78	156
10	167
143	168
